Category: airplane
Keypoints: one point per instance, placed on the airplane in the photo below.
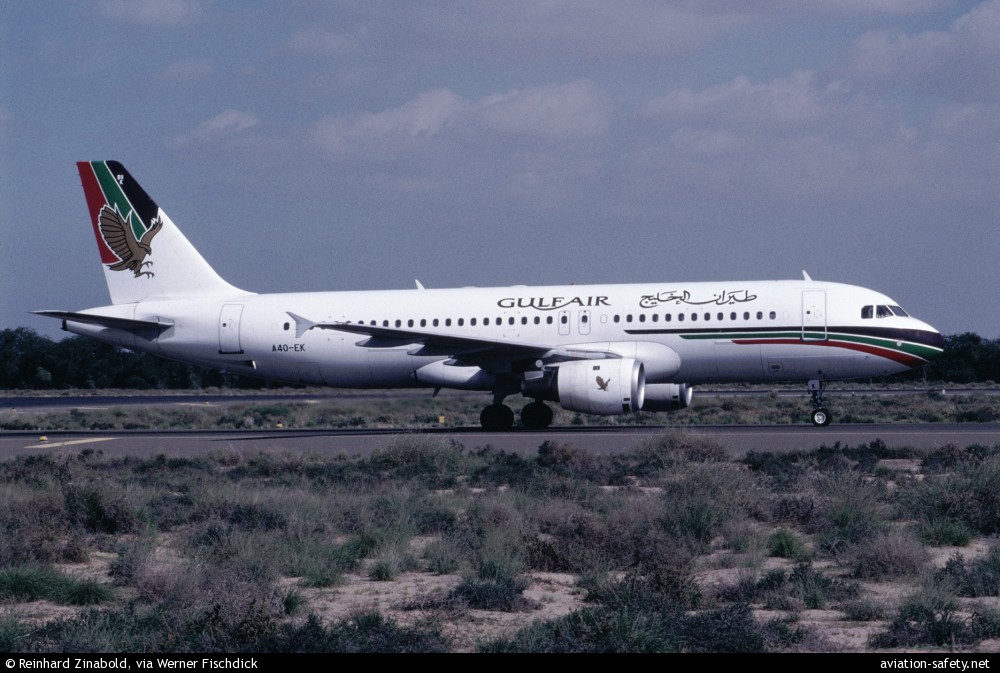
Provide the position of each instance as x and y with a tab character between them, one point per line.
594	349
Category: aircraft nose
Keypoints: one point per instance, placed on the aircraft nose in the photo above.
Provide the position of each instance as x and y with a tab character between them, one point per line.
931	337
936	340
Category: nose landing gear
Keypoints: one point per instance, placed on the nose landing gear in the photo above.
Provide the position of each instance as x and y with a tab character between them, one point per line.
820	416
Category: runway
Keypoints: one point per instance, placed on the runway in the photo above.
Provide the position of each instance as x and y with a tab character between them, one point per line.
735	438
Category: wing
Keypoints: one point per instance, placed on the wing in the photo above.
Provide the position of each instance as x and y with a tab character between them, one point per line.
118	235
466	350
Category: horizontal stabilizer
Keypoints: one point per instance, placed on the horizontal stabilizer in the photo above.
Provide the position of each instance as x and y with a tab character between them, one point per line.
126	324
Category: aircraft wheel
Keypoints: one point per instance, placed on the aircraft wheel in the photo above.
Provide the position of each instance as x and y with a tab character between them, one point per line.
497	418
821	417
536	415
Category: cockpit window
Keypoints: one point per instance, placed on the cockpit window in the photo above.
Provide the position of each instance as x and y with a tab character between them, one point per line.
882	312
899	311
867	312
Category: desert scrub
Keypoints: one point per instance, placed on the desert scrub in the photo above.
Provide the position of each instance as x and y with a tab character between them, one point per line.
851	509
969	493
35	583
980	577
887	556
784	543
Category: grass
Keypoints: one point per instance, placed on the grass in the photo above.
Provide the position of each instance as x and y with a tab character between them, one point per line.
241	552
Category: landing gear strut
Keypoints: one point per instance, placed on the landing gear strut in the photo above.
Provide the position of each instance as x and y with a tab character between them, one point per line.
536	415
821	416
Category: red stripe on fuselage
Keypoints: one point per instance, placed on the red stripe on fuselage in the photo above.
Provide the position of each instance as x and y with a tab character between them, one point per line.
95	201
896	356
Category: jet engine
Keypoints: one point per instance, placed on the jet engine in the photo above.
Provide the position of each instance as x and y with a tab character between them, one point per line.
606	387
667	396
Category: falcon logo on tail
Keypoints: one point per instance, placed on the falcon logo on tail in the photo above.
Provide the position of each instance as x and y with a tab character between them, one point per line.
117	233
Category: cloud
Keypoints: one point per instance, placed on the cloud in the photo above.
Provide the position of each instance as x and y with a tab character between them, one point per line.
553	112
801	136
570	110
152	13
424	116
962	62
797	100
226	125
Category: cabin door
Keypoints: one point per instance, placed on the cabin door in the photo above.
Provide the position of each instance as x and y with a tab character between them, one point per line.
229	329
814	315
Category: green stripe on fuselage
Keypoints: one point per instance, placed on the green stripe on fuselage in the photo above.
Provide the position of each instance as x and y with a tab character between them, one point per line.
908	347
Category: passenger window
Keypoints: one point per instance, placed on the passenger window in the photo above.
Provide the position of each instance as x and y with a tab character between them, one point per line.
447	322
732	316
772	315
867	312
461	322
708	316
399	323
510	320
385	323
760	315
667	317
584	318
617	318
435	323
656	317
486	321
472	322
721	316
562	319
538	320
548	320
746	315
694	316
642	317
628	318
423	322
680	316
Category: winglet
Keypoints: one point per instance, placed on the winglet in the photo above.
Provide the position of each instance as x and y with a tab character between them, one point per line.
302	325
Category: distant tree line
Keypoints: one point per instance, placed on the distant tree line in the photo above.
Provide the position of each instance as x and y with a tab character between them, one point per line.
31	361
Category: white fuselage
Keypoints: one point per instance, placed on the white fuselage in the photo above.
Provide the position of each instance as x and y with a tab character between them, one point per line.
753	331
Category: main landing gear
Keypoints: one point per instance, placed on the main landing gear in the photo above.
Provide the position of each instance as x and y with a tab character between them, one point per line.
821	416
498	417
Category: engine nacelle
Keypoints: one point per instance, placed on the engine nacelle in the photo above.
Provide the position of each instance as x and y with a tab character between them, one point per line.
667	396
607	387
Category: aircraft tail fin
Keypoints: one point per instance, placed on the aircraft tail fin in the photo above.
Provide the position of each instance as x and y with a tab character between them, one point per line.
145	256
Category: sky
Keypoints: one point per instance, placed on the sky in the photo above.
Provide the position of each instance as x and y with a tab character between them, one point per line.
313	145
